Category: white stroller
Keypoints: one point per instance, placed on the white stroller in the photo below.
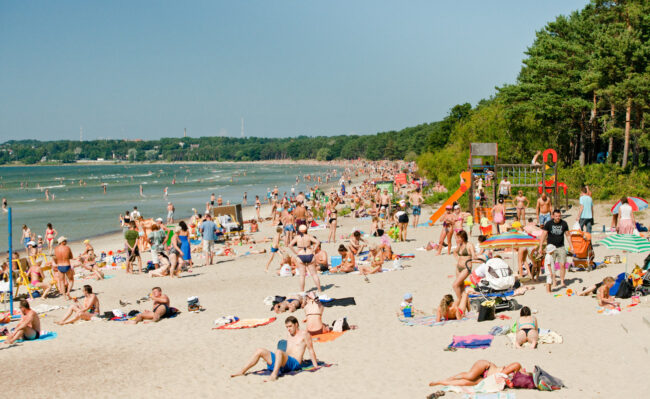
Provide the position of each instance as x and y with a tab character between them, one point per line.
498	283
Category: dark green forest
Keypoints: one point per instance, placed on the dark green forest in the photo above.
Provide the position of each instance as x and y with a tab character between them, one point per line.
583	89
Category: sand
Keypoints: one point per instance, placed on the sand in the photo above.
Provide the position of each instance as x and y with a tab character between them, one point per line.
602	356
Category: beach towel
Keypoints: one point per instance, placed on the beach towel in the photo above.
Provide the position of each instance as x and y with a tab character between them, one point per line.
492	384
327	337
45	336
545	337
496	395
349	301
472	341
493	294
306	366
430	321
246	323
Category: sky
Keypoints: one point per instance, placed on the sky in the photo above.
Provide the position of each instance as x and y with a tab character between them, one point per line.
149	69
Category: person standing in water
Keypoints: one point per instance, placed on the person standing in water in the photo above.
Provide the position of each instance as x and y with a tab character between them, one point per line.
141	193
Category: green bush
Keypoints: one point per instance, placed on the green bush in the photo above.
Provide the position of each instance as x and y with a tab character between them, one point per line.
607	182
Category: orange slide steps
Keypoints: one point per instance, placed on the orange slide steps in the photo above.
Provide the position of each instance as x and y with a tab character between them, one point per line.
464	186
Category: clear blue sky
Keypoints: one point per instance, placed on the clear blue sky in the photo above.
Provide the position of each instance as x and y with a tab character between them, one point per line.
147	69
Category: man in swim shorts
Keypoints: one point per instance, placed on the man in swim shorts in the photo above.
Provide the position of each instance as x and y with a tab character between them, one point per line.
416	200
63	257
160	310
170	213
282	362
543	209
29	327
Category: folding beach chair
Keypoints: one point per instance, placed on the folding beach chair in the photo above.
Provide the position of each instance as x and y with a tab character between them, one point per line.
583	251
23	279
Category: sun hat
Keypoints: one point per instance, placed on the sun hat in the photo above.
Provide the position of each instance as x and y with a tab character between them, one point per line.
550	248
159	219
408	296
61	239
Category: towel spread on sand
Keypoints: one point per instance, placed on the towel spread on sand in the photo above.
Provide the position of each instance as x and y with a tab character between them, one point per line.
246	323
45	336
44	308
545	337
472	341
306	366
496	395
491	384
328	336
349	301
430	321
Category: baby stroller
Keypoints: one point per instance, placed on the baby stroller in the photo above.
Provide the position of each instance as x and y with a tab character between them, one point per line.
583	251
498	284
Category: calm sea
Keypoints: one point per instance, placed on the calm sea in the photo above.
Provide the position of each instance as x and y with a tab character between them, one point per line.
81	211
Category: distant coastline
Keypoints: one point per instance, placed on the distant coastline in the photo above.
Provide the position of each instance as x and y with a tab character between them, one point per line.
313	162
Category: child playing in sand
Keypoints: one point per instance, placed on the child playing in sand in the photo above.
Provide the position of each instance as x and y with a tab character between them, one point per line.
549	267
603	297
275	246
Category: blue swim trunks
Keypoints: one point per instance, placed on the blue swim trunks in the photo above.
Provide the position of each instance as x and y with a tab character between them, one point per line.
273	250
289	227
291	365
417	210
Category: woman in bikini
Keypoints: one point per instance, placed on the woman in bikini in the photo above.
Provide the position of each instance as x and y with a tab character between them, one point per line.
314	315
305	256
258	205
447	230
321	259
35	275
50	234
499	215
348	262
376	261
464	251
480	370
332	214
527	328
521	203
450	310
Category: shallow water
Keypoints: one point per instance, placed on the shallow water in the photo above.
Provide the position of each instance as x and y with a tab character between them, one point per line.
80	211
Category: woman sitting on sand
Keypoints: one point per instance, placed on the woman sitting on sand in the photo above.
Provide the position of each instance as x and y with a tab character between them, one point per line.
450	310
527	328
376	258
347	261
480	370
320	258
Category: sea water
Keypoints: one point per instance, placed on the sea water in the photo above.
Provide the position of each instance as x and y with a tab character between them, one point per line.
82	211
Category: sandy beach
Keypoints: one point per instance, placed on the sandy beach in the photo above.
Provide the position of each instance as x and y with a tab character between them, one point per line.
185	356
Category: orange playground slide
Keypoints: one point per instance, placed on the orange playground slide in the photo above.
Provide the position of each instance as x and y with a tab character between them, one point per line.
464	186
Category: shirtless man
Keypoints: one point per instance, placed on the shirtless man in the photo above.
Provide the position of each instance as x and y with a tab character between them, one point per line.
282	362
212	199
29	327
416	200
62	258
543	209
521	203
385	201
170	213
300	213
160	310
86	311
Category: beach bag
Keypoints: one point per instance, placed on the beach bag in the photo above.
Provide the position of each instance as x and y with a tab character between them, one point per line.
546	382
340	325
487	311
285	270
193	304
625	290
523	381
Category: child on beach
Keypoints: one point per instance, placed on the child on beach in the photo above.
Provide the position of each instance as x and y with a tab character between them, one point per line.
275	247
603	297
549	268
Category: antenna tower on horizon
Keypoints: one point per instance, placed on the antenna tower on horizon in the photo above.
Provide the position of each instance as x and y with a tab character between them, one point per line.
81	133
242	128
184	132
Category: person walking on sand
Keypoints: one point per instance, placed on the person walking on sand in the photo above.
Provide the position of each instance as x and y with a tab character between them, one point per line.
275	246
208	231
556	230
521	203
416	200
586	210
285	361
543	209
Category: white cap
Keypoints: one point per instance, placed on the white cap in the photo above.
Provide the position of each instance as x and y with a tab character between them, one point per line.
159	219
550	248
61	239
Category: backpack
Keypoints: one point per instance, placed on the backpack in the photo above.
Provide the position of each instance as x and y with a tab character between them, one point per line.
625	290
546	382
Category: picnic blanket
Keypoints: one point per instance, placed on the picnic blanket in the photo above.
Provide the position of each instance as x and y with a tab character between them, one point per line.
491	384
306	366
45	336
430	321
349	301
246	323
327	337
471	341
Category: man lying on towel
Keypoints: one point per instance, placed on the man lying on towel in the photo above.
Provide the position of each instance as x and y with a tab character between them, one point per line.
282	362
160	310
29	327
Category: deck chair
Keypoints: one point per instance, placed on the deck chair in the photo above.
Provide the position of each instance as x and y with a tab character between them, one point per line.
23	279
583	251
45	268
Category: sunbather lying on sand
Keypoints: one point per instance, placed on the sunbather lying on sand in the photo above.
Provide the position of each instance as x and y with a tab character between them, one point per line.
282	362
160	310
348	262
291	304
480	370
450	310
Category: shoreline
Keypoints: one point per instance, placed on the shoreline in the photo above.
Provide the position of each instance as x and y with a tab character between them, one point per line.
114	162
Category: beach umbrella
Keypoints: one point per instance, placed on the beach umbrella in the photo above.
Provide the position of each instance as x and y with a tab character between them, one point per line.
637	204
510	240
627	243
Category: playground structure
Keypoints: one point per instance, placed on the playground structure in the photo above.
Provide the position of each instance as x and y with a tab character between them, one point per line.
485	172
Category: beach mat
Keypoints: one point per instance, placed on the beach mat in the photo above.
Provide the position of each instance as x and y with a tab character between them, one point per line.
430	321
492	384
246	323
349	301
471	341
327	337
306	366
45	336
